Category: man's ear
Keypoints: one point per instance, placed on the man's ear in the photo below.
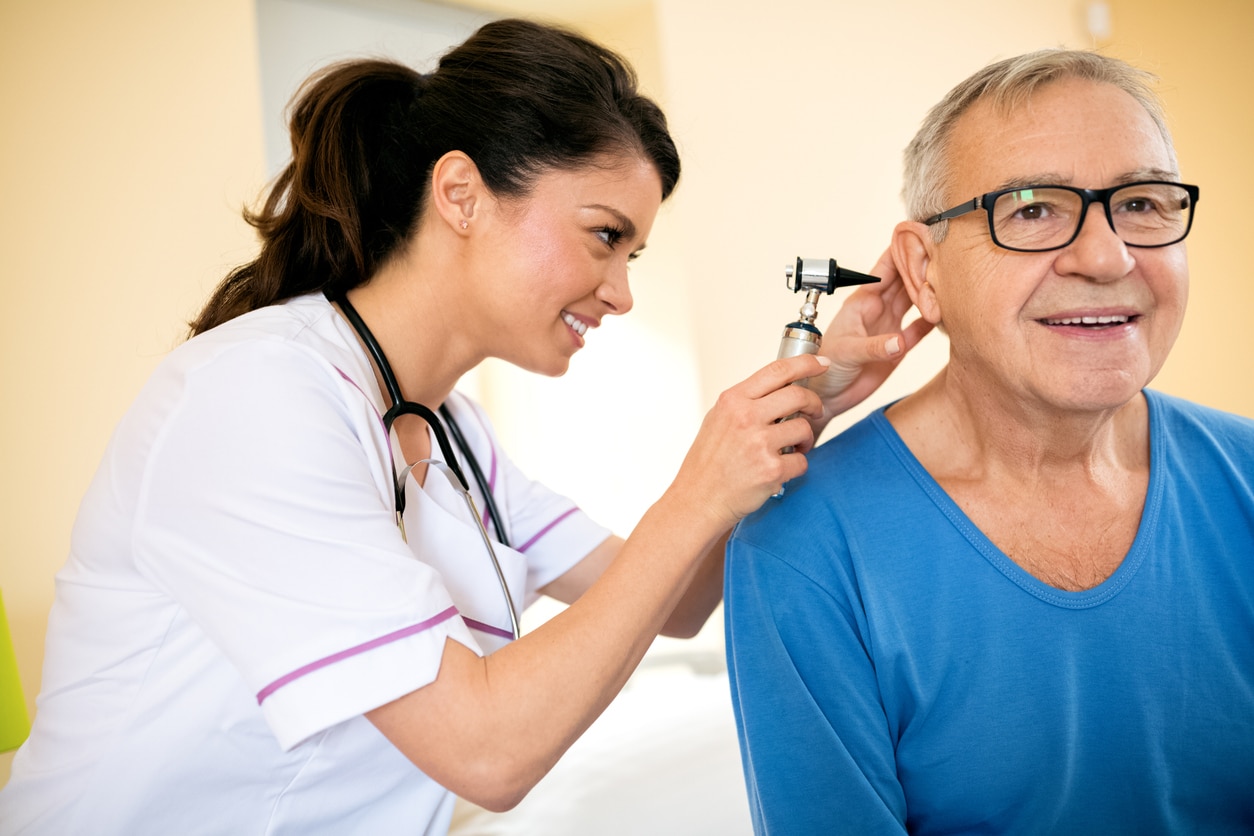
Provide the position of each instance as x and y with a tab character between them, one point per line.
913	254
457	190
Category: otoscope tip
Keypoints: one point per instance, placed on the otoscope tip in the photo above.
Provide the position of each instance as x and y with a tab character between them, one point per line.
848	278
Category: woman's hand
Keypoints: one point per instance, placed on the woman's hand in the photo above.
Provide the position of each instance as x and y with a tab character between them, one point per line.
865	342
745	449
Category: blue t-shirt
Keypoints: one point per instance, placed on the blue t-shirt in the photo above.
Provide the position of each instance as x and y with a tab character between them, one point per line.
892	670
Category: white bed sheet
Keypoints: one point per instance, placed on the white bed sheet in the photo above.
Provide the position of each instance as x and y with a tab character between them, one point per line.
662	759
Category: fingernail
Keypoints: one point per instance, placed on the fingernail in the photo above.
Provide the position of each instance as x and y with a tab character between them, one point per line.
823	361
893	346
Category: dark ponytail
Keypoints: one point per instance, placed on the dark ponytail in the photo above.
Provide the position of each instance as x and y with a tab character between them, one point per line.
519	98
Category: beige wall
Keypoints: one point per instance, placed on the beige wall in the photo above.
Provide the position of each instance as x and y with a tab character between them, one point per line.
793	122
1200	51
133	136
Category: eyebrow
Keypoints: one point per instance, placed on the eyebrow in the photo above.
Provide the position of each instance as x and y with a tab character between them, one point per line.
629	228
1059	180
1148	174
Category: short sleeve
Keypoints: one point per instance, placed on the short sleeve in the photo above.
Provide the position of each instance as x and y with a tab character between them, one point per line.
265	512
546	527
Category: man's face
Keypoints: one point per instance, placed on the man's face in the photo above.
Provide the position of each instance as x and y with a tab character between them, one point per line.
1017	321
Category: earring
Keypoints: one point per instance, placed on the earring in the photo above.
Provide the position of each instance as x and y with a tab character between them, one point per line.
465	223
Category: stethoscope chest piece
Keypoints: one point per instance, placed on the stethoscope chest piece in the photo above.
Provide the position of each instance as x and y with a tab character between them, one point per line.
449	467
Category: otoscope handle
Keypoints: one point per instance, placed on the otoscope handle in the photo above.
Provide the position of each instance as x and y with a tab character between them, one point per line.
799	338
814	277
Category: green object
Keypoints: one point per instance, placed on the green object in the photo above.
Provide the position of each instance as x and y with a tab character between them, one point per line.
14	723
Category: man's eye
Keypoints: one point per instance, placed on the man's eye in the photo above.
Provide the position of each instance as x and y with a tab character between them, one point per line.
1136	205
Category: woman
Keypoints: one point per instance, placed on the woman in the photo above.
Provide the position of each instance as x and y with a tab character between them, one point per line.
257	631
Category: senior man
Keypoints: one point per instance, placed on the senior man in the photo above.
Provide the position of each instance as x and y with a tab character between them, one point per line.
1021	599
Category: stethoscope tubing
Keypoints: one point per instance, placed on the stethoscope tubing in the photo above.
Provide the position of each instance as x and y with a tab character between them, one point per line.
514	622
480	480
449	467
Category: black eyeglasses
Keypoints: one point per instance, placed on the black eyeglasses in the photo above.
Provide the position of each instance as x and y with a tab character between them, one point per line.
1033	219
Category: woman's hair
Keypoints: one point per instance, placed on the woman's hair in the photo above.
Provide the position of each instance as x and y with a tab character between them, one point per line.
519	98
1006	85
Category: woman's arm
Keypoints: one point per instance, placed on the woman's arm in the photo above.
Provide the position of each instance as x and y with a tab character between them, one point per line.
865	341
690	614
488	728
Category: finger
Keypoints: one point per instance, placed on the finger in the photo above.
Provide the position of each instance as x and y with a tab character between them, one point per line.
786	462
804	401
779	373
792	436
858	351
777	458
785	403
864	306
878	307
894	295
899	302
885	268
916	331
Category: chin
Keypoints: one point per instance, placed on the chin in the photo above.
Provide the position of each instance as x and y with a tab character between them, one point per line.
1097	392
549	369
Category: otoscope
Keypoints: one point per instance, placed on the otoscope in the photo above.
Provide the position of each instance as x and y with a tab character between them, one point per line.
816	276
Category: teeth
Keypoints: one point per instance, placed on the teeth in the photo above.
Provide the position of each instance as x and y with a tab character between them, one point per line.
1088	320
579	326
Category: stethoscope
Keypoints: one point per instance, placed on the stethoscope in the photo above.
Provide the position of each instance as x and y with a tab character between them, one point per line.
449	467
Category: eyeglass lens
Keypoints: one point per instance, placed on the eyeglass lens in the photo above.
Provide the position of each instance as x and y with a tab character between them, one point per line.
1144	214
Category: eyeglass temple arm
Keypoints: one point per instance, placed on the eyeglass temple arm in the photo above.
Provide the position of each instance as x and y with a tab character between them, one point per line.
961	209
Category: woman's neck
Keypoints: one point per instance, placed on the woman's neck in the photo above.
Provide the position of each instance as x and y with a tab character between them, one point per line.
416	330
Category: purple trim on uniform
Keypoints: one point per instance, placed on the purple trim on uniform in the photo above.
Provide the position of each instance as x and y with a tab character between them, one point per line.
363	392
353	651
523	548
487	628
382	424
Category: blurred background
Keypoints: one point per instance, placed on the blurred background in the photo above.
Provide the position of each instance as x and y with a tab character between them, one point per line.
135	131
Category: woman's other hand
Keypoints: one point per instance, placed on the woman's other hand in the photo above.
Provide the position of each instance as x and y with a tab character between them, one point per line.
865	342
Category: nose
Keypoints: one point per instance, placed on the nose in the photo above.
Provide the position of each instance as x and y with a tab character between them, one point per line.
1097	253
615	291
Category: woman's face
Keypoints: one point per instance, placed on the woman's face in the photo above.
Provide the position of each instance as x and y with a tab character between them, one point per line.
554	263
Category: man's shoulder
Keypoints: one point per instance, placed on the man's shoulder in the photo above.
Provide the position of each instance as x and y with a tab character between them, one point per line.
1177	417
851	449
843	474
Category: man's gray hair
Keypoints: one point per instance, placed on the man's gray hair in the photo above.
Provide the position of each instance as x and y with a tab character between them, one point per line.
1006	85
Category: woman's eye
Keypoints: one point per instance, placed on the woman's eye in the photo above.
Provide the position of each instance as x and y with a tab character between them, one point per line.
610	235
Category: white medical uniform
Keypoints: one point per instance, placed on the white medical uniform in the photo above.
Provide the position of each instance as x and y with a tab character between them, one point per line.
238	594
